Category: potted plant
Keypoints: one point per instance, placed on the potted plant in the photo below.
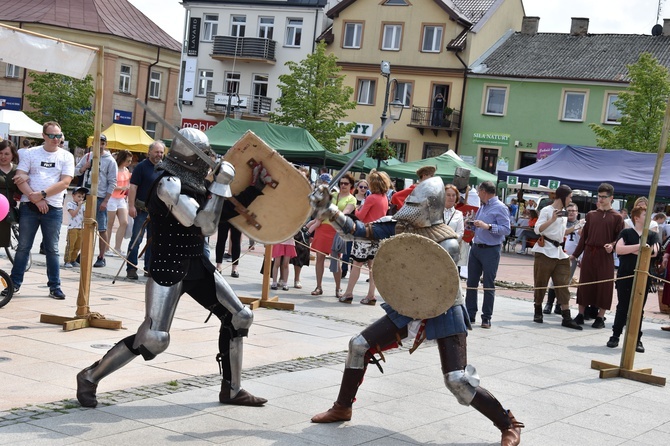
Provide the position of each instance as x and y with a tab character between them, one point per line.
380	150
448	111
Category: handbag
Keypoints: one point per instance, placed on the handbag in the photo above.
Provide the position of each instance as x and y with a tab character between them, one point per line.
13	215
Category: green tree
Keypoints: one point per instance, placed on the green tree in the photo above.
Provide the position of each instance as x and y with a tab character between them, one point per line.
313	97
60	98
642	106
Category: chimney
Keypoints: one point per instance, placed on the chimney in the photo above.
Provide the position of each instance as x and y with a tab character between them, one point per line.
666	27
530	25
579	27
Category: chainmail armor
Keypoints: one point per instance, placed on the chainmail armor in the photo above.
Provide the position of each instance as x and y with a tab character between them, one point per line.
437	233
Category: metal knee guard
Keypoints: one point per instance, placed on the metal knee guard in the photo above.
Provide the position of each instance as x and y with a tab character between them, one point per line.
243	317
463	384
358	346
150	342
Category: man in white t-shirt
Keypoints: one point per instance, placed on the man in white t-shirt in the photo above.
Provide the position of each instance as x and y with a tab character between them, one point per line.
550	259
43	175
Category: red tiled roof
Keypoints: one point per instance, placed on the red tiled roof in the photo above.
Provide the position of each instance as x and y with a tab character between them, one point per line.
115	17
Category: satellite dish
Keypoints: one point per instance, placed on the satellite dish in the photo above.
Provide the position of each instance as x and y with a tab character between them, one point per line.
657	30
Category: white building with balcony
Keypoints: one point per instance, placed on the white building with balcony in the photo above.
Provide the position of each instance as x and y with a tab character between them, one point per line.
235	51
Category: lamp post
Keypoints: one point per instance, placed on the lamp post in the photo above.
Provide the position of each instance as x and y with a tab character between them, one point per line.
386	72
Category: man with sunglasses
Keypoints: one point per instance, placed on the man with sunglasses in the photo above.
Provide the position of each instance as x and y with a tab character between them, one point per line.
43	175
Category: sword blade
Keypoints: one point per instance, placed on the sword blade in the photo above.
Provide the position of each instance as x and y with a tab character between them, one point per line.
210	162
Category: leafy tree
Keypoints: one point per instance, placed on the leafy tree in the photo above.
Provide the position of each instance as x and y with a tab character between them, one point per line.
314	98
642	106
66	100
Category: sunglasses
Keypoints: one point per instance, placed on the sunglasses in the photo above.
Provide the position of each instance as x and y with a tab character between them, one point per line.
603	197
344	183
54	135
362	187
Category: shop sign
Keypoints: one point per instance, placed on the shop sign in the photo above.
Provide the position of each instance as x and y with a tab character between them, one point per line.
497	139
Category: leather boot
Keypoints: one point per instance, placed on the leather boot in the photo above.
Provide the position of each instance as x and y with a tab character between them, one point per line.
335	413
557	309
569	322
88	379
243	398
503	419
341	410
538	314
551	296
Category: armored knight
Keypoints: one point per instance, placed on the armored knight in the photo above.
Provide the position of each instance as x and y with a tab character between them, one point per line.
182	211
422	214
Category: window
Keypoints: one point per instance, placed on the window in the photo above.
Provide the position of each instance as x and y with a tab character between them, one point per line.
612	112
232	84
155	85
205	80
432	39
357	143
210	27
124	79
366	91
352	35
395	3
266	26
400	150
574	106
496	101
13	71
403	92
293	32
151	129
238	24
391	38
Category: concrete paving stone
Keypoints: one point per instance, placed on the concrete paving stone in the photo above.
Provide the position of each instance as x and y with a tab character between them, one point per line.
212	427
448	431
345	434
653	437
611	420
89	425
151	411
30	434
150	435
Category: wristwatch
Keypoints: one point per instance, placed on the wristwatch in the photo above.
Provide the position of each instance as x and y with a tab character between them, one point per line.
44	194
490	226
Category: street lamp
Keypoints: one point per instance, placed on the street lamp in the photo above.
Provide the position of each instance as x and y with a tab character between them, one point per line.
386	72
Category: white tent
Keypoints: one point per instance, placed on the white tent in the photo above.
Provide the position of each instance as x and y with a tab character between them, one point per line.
20	124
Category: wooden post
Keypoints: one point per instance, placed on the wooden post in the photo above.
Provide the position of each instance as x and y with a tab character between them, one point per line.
82	317
265	300
625	368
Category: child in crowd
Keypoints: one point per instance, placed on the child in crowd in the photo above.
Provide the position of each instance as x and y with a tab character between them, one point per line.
76	209
282	253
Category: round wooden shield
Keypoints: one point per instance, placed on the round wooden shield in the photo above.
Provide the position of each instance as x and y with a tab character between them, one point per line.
284	206
416	276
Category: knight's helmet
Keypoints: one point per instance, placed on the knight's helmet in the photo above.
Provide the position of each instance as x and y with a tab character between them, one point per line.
184	163
461	178
424	207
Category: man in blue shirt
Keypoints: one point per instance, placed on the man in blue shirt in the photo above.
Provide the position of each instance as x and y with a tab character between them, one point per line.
491	226
143	177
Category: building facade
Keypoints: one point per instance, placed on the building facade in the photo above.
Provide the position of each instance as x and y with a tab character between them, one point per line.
235	52
428	46
140	59
534	93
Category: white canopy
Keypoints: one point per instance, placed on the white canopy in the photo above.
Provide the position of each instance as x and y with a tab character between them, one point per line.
20	124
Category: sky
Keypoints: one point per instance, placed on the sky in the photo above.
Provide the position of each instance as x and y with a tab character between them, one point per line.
606	16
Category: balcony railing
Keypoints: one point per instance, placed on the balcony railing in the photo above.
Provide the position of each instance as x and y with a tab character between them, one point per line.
244	48
217	104
435	119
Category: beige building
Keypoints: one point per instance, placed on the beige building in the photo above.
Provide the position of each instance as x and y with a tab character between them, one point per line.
428	45
140	59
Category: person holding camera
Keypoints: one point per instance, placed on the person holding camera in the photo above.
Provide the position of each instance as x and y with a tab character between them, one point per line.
551	261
